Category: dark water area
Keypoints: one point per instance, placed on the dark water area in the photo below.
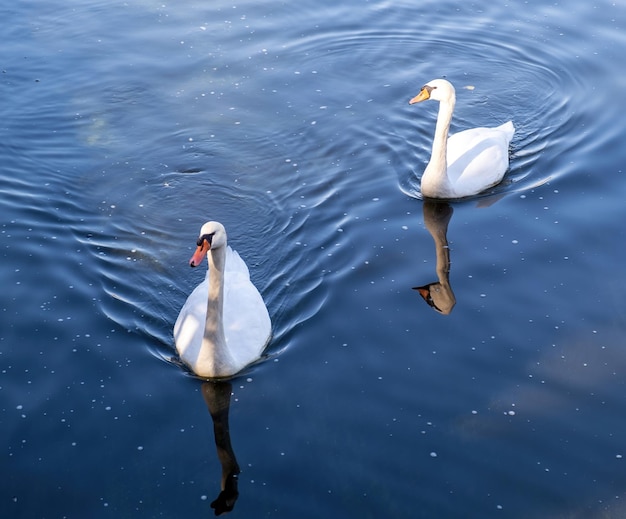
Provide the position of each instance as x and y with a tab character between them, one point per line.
125	126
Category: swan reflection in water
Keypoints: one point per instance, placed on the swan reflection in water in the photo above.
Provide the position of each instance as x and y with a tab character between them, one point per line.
438	294
217	398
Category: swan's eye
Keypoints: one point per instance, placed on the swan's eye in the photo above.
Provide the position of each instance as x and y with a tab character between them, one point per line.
207	237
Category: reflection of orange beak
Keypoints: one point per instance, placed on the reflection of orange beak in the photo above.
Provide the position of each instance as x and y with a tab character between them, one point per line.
422	96
200	253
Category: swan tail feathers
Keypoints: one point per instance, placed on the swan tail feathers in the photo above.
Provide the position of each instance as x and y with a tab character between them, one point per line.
234	262
508	129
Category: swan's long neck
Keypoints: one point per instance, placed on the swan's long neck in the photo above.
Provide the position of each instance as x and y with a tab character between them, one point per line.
436	173
214	340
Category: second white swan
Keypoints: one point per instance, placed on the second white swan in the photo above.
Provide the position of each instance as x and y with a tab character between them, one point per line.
467	162
224	325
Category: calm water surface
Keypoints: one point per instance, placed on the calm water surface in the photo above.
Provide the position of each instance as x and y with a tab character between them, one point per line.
125	126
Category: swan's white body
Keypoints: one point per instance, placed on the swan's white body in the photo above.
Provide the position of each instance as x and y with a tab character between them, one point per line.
224	325
467	162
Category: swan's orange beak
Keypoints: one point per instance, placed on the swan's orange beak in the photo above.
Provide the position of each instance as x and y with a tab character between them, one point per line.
200	253
422	96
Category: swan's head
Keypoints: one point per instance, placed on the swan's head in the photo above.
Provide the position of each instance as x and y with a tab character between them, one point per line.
438	90
212	236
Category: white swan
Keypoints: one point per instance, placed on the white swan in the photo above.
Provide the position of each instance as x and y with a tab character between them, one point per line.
469	161
224	325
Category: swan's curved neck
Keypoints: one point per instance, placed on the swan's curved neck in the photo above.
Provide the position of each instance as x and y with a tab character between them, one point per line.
440	142
214	339
436	172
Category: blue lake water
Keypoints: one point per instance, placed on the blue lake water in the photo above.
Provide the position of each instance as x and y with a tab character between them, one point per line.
125	126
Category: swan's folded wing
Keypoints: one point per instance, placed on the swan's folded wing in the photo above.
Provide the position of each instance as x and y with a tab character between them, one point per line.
189	326
247	324
478	158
